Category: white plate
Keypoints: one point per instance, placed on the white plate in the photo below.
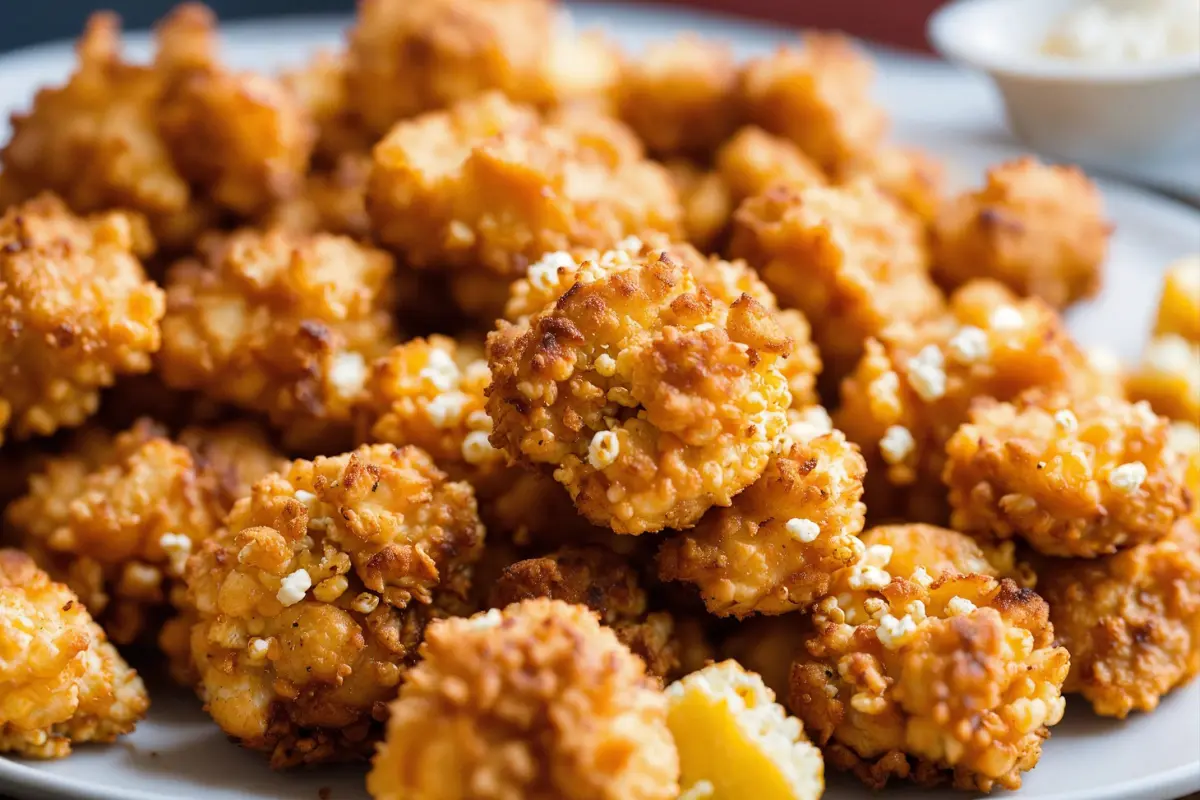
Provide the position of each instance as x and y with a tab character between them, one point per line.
178	753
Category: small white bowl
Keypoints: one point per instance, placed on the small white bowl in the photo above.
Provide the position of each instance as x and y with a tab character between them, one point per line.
1130	117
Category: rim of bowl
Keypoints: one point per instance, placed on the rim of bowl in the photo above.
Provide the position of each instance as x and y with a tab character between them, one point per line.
944	33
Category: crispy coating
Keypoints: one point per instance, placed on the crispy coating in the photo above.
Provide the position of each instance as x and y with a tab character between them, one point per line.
178	140
752	161
319	85
915	384
488	186
61	682
956	679
681	96
535	702
1179	304
1039	229
941	551
332	200
116	517
1130	621
817	94
913	178
76	310
651	400
768	646
280	322
848	257
383	541
776	548
706	203
1168	377
1086	483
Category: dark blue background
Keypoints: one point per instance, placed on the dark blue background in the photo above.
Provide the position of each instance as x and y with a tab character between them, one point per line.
24	22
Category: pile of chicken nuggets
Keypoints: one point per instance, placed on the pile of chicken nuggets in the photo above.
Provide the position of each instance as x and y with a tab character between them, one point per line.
535	420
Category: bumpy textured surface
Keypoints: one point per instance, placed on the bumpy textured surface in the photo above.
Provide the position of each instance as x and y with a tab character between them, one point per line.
850	258
178	140
957	679
705	202
280	322
941	551
1101	477
1038	229
487	188
736	742
61	682
536	702
818	95
76	310
913	178
681	96
1130	621
313	601
332	200
752	161
649	399
116	517
777	547
915	385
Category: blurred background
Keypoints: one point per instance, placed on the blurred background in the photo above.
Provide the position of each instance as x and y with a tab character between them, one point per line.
895	22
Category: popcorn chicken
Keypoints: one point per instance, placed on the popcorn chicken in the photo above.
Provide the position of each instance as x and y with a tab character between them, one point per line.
1130	621
1179	305
955	680
680	96
76	310
61	682
1038	229
847	257
310	606
116	518
818	95
911	177
752	161
650	400
775	549
538	701
930	552
283	323
1083	478
331	201
1168	377
916	383
705	201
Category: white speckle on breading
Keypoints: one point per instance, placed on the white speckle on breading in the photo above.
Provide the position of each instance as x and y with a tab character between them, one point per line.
293	588
804	530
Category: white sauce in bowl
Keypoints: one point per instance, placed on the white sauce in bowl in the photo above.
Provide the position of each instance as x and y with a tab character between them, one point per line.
1127	30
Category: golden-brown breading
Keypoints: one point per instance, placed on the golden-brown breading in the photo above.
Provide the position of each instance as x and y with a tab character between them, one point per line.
941	551
777	547
848	257
1083	478
319	86
706	204
1130	621
915	385
116	517
681	96
280	322
1179	304
332	201
1168	377
1038	229
752	161
76	310
539	702
651	400
914	178
61	682
179	140
486	188
817	94
956	678
312	601
768	646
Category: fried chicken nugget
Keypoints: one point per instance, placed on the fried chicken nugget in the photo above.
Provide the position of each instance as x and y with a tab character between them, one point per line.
913	178
1130	621
332	201
848	257
649	399
915	385
705	201
535	702
681	96
1083	478
117	517
955	678
61	682
917	548
816	94
1039	229
312	602
283	323
736	742
1168	377
776	548
1179	304
76	310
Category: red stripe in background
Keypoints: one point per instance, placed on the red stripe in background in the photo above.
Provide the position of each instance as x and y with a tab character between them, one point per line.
900	23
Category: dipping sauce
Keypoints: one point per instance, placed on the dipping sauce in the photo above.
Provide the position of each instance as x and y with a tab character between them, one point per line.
1127	30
